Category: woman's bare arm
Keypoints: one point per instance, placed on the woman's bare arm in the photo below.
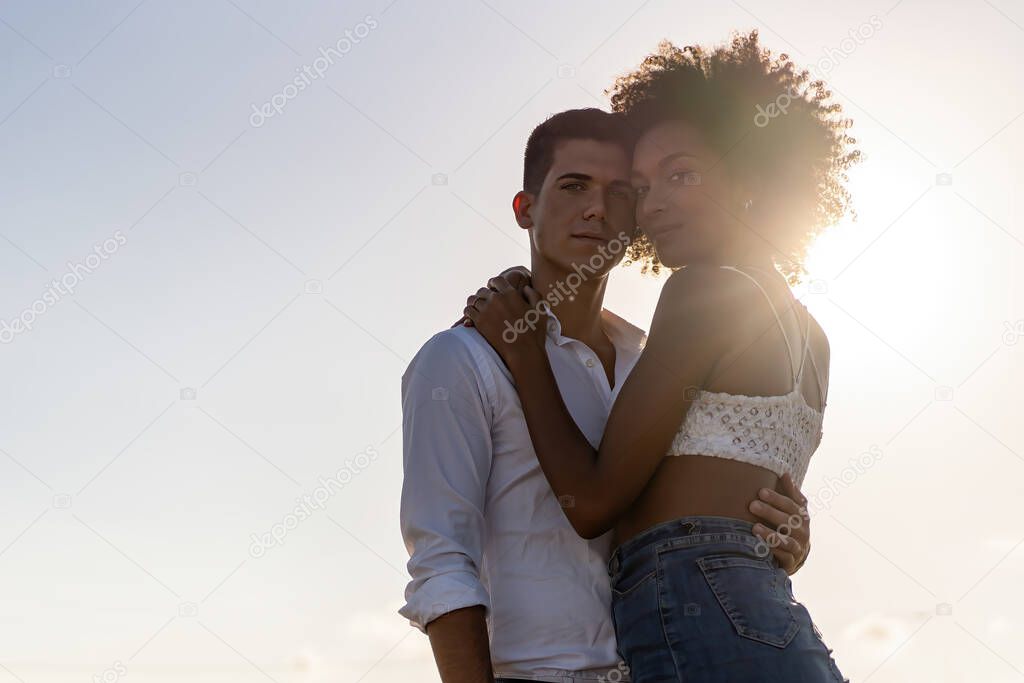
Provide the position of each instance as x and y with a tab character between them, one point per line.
597	486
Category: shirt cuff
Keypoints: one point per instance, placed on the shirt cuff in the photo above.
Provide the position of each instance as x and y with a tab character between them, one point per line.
440	595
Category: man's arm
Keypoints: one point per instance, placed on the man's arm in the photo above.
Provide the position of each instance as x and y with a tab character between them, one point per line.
460	645
446	427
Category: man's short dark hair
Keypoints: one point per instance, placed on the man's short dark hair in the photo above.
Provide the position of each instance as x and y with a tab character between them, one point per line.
574	124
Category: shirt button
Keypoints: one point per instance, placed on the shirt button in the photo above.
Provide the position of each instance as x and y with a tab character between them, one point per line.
590	362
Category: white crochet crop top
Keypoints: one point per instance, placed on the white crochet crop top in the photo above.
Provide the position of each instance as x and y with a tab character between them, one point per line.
779	433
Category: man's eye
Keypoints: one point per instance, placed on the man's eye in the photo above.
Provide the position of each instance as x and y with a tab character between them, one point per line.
573	186
622	193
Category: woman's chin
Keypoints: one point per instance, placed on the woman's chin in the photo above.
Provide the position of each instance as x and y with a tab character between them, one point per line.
673	251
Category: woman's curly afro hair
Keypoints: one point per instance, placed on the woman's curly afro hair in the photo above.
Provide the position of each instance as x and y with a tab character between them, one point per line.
769	121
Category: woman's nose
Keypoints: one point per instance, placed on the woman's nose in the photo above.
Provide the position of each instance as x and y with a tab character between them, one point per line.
648	207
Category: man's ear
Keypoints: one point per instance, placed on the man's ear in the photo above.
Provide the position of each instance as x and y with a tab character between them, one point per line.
522	204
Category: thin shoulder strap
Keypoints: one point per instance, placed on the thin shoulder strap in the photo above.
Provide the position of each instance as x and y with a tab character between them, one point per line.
807	347
822	391
782	328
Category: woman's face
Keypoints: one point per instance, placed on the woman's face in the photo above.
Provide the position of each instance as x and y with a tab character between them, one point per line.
686	203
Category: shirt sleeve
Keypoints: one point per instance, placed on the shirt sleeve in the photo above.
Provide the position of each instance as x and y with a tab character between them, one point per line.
446	455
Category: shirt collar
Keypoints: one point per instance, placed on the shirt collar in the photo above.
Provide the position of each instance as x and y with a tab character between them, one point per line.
621	332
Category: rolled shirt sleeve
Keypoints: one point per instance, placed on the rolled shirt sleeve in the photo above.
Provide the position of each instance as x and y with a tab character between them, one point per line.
447	412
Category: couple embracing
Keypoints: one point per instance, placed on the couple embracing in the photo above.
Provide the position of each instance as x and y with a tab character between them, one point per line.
584	501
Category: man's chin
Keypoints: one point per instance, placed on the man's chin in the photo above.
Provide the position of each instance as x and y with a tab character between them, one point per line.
589	264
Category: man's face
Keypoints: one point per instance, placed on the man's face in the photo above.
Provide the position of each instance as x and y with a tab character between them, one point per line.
585	203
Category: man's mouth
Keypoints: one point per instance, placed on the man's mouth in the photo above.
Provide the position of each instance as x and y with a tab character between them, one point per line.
591	238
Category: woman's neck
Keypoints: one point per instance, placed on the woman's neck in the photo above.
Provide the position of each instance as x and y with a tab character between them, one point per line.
744	255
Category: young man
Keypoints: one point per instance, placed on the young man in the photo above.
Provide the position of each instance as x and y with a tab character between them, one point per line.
501	583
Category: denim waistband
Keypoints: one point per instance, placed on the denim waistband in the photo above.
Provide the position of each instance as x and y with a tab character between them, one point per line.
618	673
683	526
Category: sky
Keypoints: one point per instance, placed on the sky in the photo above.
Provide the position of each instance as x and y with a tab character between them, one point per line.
213	279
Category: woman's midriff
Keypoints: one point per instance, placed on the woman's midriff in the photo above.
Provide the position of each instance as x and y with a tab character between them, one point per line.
688	485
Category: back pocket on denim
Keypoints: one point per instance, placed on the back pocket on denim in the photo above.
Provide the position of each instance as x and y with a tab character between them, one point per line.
752	597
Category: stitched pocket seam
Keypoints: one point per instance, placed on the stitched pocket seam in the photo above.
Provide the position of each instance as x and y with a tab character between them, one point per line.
708	567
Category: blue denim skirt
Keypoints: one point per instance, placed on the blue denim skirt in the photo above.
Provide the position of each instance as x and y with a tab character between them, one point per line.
702	600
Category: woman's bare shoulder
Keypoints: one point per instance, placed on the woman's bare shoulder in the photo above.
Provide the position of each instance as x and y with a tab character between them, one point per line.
703	287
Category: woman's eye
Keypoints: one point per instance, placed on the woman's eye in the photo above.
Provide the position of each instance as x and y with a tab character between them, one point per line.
640	191
686	177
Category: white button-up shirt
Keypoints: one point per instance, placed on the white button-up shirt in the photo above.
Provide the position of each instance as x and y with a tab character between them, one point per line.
479	519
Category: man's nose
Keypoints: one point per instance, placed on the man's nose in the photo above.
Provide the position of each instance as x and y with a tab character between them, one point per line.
596	209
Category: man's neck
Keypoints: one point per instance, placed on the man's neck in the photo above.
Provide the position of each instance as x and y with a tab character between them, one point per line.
579	302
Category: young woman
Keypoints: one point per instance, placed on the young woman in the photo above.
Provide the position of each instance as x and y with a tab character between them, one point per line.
739	163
